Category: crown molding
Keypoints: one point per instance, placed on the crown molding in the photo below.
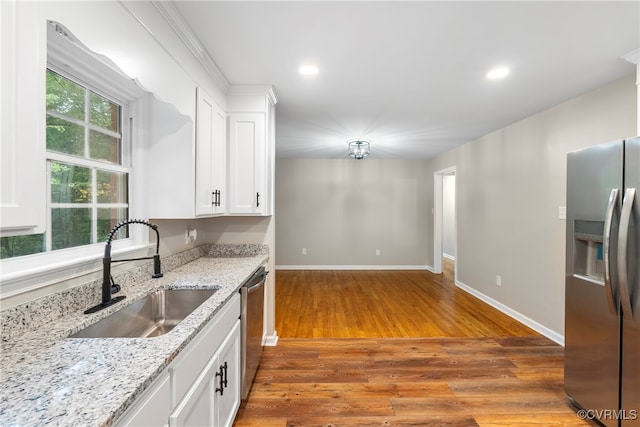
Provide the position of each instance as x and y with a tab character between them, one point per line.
633	56
253	90
185	34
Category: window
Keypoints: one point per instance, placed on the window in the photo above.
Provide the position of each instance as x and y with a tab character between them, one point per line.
88	175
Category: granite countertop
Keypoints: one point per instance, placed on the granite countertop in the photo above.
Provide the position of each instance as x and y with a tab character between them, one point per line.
49	379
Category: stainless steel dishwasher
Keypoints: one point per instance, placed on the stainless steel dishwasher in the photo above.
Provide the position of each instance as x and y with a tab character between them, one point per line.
252	320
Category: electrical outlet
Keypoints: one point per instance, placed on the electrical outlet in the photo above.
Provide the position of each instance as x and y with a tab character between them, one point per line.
304	251
190	236
378	252
498	280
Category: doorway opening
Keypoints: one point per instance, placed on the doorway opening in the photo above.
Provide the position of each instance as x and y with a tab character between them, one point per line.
444	220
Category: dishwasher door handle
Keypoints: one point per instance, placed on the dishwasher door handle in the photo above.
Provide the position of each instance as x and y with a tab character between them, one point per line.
257	280
254	286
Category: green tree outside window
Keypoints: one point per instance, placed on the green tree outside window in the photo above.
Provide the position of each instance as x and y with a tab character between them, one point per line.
86	200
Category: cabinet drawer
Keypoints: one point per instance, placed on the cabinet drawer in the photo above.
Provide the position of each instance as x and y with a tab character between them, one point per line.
192	360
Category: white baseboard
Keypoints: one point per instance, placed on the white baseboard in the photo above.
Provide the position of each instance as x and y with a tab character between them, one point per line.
552	335
271	340
447	256
353	267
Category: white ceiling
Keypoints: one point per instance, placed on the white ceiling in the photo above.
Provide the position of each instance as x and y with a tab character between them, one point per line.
411	75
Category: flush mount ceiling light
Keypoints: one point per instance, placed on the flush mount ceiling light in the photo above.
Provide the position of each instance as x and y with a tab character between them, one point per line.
498	73
359	148
308	70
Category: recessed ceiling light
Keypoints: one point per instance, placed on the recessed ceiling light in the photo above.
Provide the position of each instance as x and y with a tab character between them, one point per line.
498	73
308	70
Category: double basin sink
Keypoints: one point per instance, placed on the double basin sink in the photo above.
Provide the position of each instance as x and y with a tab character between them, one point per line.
151	316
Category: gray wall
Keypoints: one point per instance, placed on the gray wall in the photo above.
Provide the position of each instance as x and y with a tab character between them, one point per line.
342	210
510	185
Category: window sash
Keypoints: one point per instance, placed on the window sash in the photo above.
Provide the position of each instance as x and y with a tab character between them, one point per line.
94	165
85	123
86	160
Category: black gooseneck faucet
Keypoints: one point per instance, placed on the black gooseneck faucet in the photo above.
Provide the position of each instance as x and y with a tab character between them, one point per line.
108	285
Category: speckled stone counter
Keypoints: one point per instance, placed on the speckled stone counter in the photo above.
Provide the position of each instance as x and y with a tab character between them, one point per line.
49	379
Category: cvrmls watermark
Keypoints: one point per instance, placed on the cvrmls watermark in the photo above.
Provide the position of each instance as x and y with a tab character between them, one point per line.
607	414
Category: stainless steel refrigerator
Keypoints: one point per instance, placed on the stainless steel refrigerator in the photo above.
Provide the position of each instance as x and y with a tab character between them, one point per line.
602	300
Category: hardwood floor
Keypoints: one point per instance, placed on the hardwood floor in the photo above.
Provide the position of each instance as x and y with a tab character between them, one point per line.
463	363
383	304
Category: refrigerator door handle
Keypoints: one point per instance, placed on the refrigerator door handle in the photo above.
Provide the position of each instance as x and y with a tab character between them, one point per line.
623	240
608	224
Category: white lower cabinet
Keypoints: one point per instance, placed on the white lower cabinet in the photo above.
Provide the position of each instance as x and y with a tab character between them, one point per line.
227	402
214	398
152	408
201	387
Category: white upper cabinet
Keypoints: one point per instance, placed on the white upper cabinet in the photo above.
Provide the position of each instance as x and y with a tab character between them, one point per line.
247	163
251	150
186	163
22	118
211	157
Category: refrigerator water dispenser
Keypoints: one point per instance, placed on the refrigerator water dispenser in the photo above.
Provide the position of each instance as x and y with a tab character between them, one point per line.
588	254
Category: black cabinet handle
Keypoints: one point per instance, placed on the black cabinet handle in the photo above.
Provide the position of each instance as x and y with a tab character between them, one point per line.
224	367
215	198
222	385
257	200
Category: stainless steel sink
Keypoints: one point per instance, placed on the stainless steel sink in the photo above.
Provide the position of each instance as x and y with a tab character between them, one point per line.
151	316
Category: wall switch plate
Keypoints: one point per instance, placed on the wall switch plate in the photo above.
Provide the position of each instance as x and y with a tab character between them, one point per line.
498	280
377	252
562	212
304	251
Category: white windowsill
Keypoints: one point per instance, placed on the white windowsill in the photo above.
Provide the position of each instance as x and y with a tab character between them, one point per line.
16	280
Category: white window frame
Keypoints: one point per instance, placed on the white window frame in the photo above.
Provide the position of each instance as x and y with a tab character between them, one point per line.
28	273
126	161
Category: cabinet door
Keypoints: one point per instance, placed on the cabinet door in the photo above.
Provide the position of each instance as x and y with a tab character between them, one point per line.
210	157
214	397
22	117
219	162
188	365
197	407
152	408
227	403
247	163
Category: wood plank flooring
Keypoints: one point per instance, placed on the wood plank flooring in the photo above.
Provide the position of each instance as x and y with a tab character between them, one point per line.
383	304
481	370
